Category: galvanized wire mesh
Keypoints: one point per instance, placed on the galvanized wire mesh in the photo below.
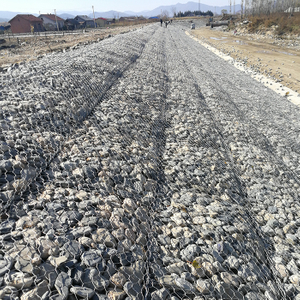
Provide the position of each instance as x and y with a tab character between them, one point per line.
130	169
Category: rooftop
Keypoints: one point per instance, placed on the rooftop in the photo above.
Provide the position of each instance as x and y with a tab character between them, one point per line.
30	18
51	17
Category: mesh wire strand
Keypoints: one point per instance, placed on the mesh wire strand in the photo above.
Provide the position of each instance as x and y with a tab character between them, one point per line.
130	170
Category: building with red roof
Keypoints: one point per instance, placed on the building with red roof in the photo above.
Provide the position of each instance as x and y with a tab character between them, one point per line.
26	23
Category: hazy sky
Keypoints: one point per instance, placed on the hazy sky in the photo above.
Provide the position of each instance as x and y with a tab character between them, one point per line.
44	6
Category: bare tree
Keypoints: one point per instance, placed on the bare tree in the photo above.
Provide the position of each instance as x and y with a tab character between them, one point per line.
174	11
246	7
164	15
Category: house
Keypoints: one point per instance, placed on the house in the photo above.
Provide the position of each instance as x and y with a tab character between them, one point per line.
71	24
127	19
101	22
26	23
85	21
111	21
49	21
4	26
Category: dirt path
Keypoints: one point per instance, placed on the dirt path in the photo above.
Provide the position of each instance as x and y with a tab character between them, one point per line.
279	61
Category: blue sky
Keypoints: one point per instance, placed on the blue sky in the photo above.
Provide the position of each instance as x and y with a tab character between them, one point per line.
44	6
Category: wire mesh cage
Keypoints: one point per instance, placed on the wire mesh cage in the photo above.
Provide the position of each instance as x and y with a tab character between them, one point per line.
127	171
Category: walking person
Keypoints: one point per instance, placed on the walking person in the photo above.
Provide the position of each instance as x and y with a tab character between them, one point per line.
160	22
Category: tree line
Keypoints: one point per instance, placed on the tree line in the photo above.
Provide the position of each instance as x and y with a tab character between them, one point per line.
194	13
266	7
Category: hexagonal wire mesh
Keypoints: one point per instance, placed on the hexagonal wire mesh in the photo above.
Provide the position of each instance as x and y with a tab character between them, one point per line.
128	172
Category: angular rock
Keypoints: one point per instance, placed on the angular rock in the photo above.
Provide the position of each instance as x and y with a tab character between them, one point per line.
133	290
82	292
103	236
37	292
62	284
18	280
91	258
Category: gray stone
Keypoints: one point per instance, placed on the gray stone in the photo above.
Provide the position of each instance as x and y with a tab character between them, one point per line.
230	279
184	285
18	280
7	226
45	248
46	271
82	292
233	262
103	236
227	291
190	252
118	279
5	165
58	261
177	268
73	249
5	265
210	270
282	271
204	287
270	296
268	230
134	273
92	279
253	296
133	290
188	276
91	258
141	214
160	294
141	239
37	292
117	294
62	284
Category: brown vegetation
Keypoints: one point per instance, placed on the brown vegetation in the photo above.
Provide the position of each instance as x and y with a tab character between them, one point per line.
130	23
284	23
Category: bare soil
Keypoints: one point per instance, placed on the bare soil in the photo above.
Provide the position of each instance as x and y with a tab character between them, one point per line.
23	49
276	58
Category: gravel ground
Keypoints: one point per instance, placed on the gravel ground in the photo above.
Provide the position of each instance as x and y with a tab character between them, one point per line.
133	168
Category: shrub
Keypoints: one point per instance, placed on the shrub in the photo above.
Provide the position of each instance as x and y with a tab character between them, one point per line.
284	22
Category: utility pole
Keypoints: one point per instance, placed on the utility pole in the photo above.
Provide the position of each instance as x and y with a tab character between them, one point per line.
94	16
230	7
56	20
234	7
242	9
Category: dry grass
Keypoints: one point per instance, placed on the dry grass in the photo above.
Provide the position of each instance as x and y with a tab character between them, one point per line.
130	23
285	24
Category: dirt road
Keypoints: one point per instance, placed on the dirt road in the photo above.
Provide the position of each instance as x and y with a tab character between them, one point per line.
276	59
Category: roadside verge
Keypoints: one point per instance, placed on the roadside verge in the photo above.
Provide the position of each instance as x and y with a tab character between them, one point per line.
291	95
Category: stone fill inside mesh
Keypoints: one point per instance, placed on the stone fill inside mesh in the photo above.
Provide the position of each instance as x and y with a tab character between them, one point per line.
145	167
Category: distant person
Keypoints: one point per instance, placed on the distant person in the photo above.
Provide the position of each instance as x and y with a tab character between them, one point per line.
161	22
166	24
